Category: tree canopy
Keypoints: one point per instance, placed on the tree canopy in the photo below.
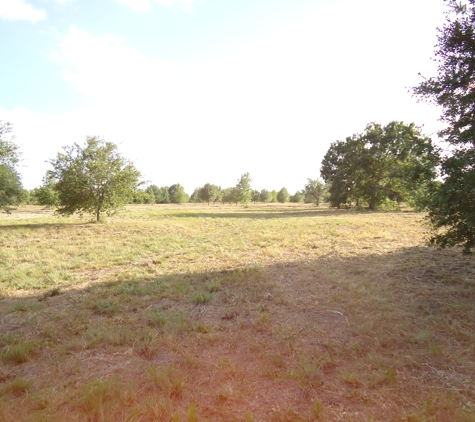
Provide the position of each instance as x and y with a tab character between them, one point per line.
93	178
243	189
210	193
177	194
451	208
10	182
283	195
384	164
314	191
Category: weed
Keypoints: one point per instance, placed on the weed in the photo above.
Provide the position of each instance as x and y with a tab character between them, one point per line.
106	307
168	379
18	353
213	286
99	397
17	386
307	373
19	307
147	344
201	298
349	378
156	319
201	327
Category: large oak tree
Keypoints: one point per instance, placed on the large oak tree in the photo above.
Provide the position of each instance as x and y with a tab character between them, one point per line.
384	164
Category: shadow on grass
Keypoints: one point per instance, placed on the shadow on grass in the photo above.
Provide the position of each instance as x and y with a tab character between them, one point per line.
271	214
361	334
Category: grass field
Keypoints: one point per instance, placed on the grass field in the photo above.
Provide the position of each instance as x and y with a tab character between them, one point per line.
204	313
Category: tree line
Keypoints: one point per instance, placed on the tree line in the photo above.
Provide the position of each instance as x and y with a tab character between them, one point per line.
241	193
376	169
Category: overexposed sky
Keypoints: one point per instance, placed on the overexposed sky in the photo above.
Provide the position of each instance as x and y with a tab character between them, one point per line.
197	91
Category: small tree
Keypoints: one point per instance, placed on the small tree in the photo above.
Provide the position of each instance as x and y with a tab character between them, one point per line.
230	196
93	178
273	196
196	196
162	195
46	194
297	197
210	193
256	196
244	190
265	196
177	194
314	191
283	195
11	190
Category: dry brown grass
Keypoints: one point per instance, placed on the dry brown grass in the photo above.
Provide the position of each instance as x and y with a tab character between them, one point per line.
271	313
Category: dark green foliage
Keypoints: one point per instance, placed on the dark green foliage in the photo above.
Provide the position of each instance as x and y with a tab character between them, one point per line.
177	194
452	207
230	196
11	191
283	195
195	196
297	197
256	196
210	193
383	165
162	196
46	194
93	178
265	196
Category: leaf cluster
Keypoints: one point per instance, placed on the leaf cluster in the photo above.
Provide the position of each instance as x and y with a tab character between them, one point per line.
384	163
93	178
451	208
11	189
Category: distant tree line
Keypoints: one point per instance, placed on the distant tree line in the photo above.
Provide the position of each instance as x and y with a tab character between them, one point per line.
313	192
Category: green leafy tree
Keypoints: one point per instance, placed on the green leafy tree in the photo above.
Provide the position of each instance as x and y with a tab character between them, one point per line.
93	178
154	192
256	196
46	194
210	193
273	196
244	190
177	194
265	196
230	196
196	196
314	191
11	191
381	165
297	197
283	195
162	196
451	206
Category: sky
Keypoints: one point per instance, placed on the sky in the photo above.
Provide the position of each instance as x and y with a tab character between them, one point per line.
202	91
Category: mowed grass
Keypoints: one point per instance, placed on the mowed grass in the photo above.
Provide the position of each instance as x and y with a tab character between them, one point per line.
222	313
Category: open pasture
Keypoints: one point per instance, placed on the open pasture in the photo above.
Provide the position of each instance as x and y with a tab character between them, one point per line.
222	313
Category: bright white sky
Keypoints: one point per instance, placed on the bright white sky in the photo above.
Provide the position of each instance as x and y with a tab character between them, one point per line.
197	91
